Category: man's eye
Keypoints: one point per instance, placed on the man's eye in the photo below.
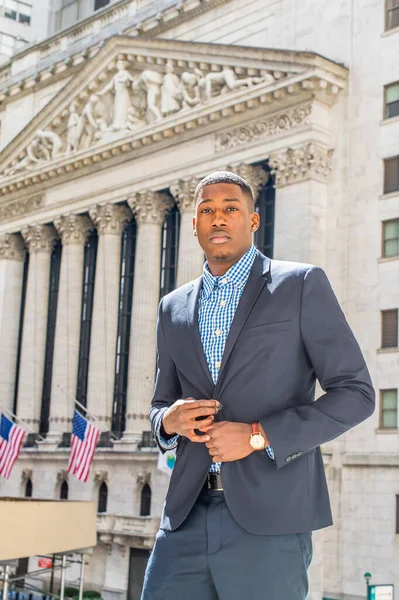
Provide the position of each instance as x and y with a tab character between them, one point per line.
232	208
205	210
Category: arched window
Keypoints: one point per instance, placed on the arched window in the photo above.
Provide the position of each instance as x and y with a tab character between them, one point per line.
64	491
28	489
264	237
145	508
102	498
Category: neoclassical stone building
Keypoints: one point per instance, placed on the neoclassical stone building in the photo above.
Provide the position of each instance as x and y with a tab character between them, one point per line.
106	128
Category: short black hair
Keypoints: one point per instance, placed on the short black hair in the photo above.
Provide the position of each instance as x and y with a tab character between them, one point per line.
225	177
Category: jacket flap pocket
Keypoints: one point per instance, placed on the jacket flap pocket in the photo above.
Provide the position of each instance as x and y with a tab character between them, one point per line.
269	328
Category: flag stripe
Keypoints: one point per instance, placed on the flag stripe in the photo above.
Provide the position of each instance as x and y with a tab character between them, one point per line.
83	445
11	438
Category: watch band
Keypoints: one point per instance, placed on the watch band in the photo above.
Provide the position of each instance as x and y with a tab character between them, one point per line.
255	428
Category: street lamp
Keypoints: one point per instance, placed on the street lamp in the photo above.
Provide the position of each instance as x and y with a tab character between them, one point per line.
367	577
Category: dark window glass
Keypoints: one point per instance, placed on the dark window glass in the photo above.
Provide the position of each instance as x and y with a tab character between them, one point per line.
389	328
102	498
391	175
100	4
89	273
28	489
391	100
124	319
145	507
55	266
169	251
397	514
21	323
390	238
389	409
265	205
392	14
64	491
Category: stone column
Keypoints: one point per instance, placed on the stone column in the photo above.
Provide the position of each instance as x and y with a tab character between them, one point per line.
40	240
191	256
149	209
12	254
73	231
301	179
256	176
109	219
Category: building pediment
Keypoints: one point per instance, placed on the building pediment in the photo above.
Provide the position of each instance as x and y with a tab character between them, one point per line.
136	92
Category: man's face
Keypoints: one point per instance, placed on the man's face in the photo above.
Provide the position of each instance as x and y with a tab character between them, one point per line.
224	223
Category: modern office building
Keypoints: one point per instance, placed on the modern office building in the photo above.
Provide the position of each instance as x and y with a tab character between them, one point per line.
106	126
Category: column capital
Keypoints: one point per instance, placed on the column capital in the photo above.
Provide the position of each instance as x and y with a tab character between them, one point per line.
292	165
39	238
150	207
256	176
110	218
183	192
12	247
73	229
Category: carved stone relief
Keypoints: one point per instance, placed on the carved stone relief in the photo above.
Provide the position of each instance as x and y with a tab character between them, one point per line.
123	99
298	164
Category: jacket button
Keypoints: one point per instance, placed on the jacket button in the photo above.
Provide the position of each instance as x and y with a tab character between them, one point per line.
288	458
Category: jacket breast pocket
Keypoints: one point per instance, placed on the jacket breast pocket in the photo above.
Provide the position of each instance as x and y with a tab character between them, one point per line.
269	328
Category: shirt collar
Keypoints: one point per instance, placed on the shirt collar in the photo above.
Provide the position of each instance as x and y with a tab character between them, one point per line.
237	275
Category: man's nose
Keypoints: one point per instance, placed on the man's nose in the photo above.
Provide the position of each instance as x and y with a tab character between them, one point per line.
219	219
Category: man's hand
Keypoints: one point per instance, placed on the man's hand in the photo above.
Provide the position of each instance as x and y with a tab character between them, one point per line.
180	418
229	441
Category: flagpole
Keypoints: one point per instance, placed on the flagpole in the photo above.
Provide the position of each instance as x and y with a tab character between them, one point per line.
88	414
5	410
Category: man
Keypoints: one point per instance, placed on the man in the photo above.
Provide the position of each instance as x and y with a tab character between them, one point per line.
239	352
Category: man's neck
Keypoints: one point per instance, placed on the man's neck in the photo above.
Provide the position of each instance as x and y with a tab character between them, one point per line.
220	267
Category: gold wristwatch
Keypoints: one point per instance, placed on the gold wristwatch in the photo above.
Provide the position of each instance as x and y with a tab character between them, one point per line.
257	440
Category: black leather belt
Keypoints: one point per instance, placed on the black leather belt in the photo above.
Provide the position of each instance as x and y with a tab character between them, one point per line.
213	481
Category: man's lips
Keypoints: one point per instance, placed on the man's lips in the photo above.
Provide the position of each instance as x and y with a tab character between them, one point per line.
219	237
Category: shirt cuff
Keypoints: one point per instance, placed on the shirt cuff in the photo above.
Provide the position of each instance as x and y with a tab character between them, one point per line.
165	444
270	452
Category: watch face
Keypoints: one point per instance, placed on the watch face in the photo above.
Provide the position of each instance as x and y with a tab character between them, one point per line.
257	441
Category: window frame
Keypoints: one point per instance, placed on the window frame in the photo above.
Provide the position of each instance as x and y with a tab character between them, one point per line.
384	312
383	240
386	117
385	161
381	424
388	12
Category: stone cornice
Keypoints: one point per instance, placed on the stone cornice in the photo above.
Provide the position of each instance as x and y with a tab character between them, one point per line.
150	22
293	165
296	88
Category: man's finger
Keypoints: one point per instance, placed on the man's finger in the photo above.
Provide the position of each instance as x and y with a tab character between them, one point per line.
198	438
217	424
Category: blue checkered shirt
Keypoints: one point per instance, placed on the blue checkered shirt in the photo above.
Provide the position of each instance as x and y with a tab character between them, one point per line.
217	304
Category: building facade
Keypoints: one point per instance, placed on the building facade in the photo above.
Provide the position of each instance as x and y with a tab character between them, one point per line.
106	127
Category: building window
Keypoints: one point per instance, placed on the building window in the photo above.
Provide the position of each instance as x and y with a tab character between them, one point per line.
391	100
397	514
89	273
64	491
100	4
392	14
390	238
28	489
389	409
10	44
124	319
18	11
102	498
21	322
264	236
389	334
391	175
50	336
145	506
169	251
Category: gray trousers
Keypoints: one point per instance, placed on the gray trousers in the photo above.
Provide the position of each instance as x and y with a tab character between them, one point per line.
210	557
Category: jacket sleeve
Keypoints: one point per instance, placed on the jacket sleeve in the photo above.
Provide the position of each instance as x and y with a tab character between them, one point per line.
340	368
167	389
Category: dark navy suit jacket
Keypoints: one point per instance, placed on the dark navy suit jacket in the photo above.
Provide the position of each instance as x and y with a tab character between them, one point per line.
288	331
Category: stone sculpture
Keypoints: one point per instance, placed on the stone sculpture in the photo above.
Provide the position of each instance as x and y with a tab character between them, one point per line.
120	85
171	93
148	84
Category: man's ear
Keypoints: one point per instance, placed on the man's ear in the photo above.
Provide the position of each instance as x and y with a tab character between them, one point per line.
194	229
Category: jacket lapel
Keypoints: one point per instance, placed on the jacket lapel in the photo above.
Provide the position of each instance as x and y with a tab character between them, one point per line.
192	322
254	286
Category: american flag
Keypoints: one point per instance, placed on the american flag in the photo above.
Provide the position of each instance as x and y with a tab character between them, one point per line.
11	437
83	445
